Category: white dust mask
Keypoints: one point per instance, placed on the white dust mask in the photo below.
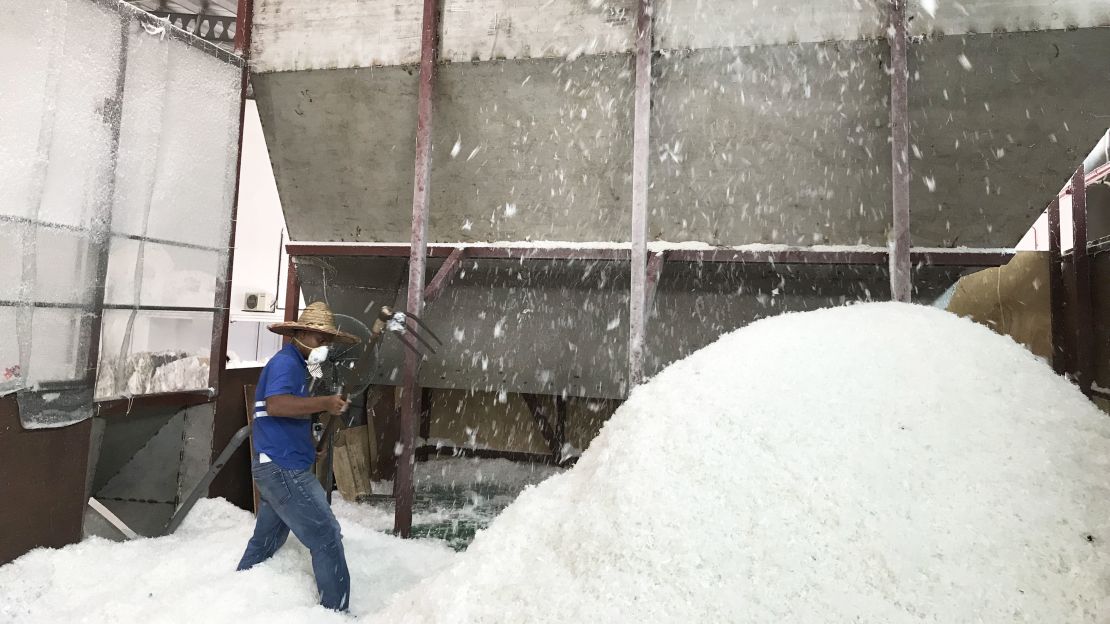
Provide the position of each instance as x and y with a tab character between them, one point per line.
318	355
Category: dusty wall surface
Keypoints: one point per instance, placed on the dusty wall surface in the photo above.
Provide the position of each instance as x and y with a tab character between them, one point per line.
487	419
774	144
769	119
342	144
997	141
557	327
769	124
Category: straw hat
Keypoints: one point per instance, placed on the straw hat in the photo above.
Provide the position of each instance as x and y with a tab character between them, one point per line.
316	317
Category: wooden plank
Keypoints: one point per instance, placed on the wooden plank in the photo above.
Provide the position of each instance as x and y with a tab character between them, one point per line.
248	396
352	463
112	519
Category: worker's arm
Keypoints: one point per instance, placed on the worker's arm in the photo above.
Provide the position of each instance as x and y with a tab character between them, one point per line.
291	406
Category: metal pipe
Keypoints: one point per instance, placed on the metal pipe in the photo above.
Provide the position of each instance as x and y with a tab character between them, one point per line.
1056	290
901	281
1081	273
410	399
640	143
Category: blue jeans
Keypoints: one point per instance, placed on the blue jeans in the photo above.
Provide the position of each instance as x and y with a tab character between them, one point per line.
295	500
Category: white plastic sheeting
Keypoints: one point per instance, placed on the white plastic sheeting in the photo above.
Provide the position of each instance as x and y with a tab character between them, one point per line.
117	146
59	73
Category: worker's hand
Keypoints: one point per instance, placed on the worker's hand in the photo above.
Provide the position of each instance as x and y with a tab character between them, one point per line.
321	454
336	405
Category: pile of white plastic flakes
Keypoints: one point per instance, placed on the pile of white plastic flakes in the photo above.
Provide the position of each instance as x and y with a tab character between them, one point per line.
875	463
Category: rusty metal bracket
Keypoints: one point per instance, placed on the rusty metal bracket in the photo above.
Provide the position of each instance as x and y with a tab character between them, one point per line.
447	271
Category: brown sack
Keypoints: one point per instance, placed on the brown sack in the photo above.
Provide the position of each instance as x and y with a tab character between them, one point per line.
1012	299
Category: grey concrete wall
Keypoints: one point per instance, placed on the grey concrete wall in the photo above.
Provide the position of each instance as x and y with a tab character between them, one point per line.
557	327
696	304
538	326
1002	138
544	150
770	144
137	473
196	450
775	144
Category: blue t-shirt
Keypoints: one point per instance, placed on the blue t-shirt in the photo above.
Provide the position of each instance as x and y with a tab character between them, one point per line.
287	441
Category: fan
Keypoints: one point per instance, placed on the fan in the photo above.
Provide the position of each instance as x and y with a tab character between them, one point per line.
348	368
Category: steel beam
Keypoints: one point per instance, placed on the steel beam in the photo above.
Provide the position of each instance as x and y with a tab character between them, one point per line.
177	400
243	18
654	272
901	280
755	255
550	434
961	258
1083	317
641	126
292	292
410	401
446	272
1056	290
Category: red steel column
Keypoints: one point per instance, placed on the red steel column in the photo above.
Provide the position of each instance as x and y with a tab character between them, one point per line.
900	276
1056	293
292	292
244	17
637	319
1081	272
410	399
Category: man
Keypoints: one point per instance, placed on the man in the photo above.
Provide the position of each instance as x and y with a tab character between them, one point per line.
284	450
